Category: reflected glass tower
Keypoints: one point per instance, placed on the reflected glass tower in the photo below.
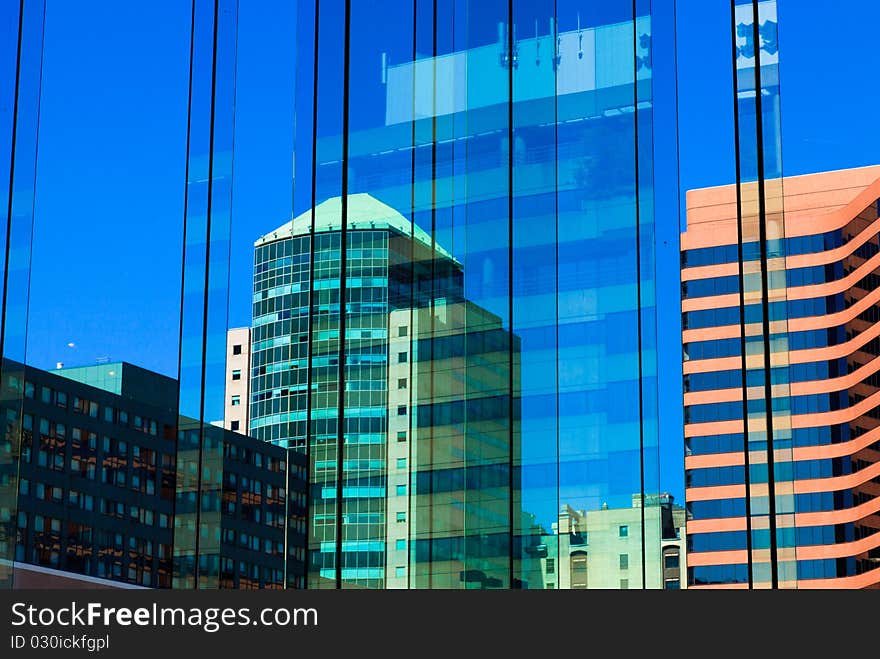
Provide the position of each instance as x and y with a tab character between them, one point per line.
458	324
426	477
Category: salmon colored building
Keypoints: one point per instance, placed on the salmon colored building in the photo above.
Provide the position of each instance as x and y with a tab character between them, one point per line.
781	364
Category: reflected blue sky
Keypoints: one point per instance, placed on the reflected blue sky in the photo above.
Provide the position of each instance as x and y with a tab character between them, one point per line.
112	157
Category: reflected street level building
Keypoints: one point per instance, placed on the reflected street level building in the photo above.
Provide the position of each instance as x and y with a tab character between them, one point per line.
95	467
602	549
458	324
781	319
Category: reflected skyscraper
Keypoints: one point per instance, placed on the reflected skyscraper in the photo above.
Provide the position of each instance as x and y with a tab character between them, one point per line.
464	299
426	464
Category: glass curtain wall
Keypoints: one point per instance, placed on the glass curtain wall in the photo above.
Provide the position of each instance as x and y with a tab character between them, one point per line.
477	182
433	224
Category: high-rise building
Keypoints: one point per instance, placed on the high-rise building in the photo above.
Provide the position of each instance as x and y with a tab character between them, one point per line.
410	336
458	323
781	314
99	492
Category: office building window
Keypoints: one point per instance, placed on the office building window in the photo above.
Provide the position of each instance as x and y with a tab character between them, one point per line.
401	331
551	566
623	531
401	435
401	463
624	584
671	561
236	349
236	400
401	490
401	410
401	383
234	425
624	561
400	544
236	374
401	357
673	584
400	571
401	516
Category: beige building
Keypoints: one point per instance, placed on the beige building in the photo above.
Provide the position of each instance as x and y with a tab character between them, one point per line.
460	351
238	366
602	549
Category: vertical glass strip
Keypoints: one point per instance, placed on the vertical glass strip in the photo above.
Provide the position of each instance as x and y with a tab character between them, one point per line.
535	488
763	281
768	113
205	294
325	514
491	61
21	58
657	529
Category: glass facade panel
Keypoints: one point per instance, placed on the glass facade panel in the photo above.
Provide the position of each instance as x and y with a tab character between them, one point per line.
372	295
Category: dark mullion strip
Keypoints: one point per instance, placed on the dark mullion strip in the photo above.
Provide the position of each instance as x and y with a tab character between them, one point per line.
411	330
638	219
192	39
554	37
765	304
311	321
8	239
206	297
229	262
510	379
742	303
286	519
343	275
11	178
432	302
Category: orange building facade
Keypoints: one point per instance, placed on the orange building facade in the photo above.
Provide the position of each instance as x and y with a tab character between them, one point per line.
781	365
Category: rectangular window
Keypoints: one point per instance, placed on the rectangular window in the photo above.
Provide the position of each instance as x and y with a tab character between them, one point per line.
401	463
236	374
624	561
624	584
673	584
401	383
236	400
401	330
234	425
401	516
401	490
401	435
400	571
400	544
623	531
401	410
551	566
236	349
401	358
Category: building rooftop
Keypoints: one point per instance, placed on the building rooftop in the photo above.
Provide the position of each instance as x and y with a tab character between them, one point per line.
364	212
125	380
